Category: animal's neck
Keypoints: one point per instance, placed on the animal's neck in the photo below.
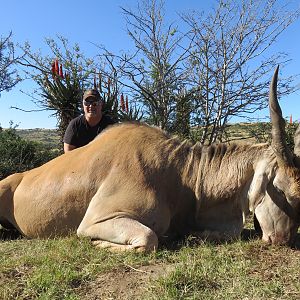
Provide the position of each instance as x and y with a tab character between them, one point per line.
217	171
226	169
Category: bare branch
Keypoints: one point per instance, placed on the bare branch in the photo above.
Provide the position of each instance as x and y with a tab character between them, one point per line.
230	61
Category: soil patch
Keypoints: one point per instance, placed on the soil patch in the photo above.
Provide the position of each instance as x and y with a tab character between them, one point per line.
125	283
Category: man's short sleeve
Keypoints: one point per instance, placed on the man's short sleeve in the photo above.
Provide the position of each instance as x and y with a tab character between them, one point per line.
69	136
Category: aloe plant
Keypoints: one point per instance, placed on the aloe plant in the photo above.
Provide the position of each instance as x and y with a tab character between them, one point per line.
63	93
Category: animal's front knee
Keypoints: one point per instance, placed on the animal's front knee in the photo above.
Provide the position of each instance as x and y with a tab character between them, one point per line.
148	242
81	231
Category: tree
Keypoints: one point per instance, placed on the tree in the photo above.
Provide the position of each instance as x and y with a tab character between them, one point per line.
154	71
8	74
231	61
218	69
183	115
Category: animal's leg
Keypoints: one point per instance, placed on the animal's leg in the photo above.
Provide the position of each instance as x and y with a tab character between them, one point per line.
116	247
120	234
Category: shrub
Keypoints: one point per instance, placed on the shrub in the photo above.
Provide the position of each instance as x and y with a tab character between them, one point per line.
18	155
262	133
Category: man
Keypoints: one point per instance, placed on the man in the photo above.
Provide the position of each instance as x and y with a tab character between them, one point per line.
86	127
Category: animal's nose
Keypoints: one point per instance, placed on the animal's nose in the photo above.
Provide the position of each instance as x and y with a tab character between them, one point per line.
267	239
282	239
279	239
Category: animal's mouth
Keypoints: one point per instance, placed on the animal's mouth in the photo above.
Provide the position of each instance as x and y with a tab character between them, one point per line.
279	239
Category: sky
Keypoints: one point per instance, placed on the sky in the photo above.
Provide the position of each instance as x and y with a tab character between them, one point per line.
100	22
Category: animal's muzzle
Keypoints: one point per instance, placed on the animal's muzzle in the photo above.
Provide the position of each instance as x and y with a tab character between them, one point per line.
281	239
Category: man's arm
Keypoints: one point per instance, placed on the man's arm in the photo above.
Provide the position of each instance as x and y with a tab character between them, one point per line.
69	137
68	147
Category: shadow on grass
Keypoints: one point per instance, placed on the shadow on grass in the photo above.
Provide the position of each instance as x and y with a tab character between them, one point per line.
297	244
175	244
246	235
9	234
250	234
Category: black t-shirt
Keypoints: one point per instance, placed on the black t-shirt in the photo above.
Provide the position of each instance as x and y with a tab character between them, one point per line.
80	133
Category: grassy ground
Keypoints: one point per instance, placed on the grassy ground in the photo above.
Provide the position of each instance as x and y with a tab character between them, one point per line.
70	268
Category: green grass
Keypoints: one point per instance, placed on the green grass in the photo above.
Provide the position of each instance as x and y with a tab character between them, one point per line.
55	268
65	268
234	271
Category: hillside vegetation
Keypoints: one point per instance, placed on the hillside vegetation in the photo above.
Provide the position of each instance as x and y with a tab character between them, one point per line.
49	137
247	132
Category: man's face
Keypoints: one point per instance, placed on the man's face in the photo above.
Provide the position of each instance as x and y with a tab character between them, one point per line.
92	106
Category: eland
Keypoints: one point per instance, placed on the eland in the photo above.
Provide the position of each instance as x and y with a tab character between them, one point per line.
134	185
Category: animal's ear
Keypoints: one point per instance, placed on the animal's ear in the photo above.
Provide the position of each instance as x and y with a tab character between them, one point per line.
257	189
262	176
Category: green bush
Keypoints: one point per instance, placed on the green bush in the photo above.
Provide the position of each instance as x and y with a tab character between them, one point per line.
18	155
262	133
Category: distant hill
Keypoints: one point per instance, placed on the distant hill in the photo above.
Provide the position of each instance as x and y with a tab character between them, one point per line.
240	132
46	136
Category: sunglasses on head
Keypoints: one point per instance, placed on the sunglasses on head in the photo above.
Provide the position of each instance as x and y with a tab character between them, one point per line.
92	103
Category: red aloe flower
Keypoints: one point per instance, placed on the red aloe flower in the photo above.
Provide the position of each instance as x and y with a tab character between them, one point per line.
122	103
61	73
53	68
56	68
126	104
291	119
